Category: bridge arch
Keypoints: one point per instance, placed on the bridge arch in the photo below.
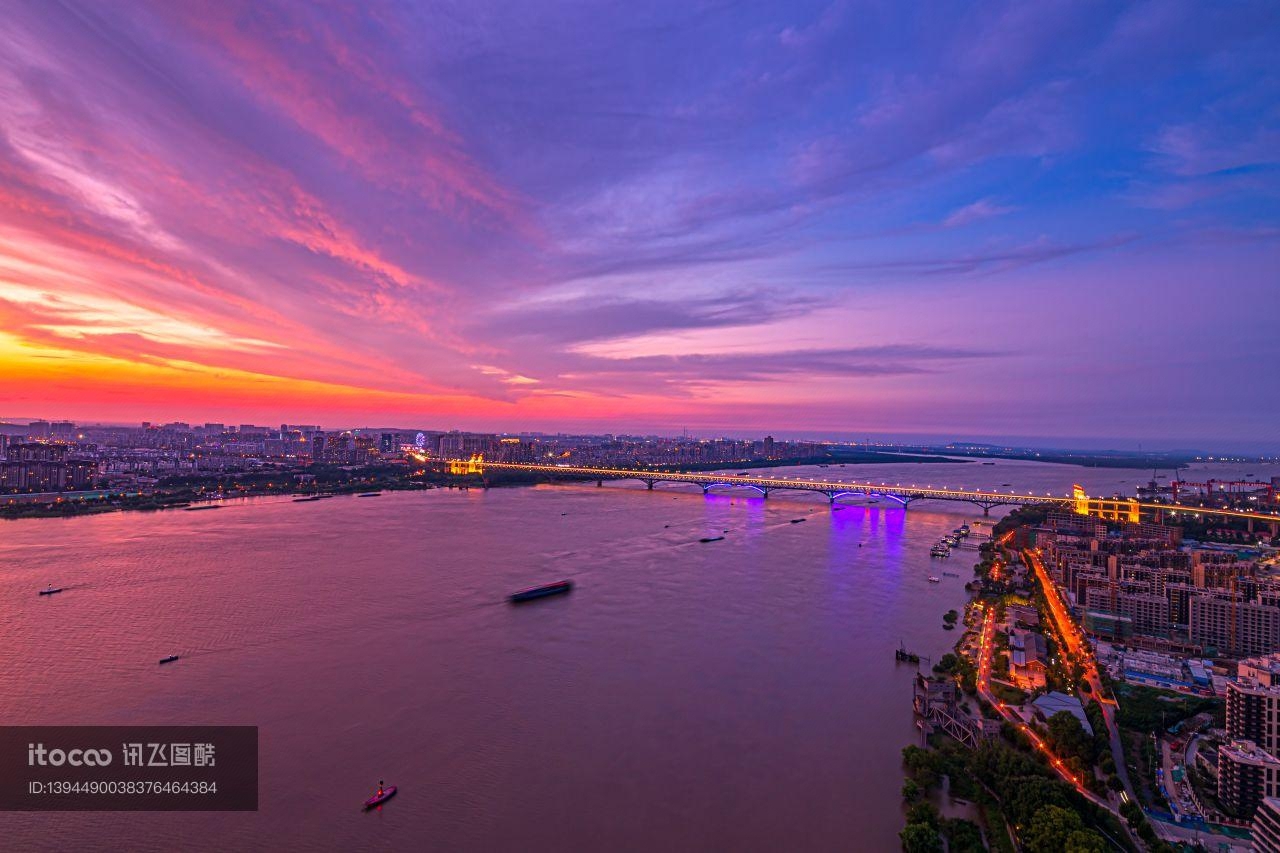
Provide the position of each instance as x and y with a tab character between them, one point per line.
834	495
707	487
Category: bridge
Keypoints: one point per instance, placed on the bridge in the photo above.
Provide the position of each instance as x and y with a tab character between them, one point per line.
1114	509
708	480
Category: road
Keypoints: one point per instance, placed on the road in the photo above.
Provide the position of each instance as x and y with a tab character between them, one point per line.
986	643
1078	649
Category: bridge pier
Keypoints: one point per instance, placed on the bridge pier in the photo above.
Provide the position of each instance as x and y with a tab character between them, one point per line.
648	484
599	483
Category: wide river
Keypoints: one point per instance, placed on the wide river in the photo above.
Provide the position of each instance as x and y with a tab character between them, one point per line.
734	695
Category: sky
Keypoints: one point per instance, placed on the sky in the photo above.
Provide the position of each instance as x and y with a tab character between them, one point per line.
1056	219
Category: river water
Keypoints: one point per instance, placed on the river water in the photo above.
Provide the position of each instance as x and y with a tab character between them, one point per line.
733	695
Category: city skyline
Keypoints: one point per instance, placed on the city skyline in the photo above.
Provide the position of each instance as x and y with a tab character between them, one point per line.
829	219
1226	451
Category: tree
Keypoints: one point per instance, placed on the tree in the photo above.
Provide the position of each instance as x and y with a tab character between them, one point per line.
963	836
1029	795
1085	841
1069	738
924	813
911	791
1049	830
922	765
920	838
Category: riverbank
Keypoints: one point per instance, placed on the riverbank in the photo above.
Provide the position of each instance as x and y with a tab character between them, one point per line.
71	507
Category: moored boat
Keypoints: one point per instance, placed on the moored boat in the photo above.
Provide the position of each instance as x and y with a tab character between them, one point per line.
169	659
934	579
50	590
710	538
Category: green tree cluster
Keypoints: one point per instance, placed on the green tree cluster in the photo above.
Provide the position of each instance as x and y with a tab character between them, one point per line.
922	834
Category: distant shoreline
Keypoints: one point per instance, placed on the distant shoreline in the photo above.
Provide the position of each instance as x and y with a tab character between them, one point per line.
1062	457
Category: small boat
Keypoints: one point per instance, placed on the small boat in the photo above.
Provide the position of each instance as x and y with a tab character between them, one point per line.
948	627
198	508
934	579
369	495
307	499
988	463
50	590
530	594
798	520
939	550
381	797
950	575
169	659
330	495
1005	485
710	538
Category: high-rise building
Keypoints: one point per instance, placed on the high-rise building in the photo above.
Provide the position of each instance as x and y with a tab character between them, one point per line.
1232	626
1253	703
1247	774
1266	826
